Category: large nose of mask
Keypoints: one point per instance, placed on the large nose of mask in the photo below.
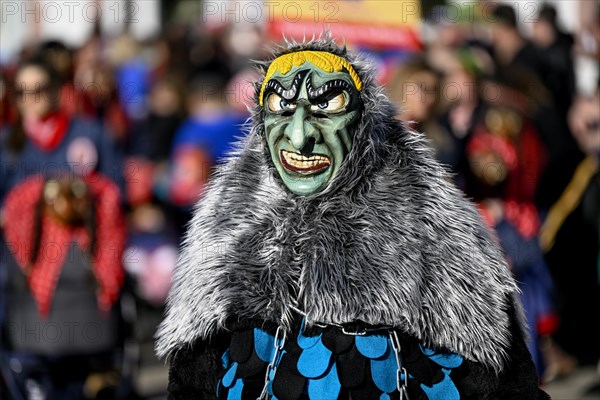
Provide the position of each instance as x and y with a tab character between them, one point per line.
301	134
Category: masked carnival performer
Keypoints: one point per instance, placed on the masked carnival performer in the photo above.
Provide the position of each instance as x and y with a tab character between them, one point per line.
330	258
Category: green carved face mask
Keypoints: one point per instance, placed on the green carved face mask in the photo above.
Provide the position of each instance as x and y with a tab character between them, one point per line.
310	117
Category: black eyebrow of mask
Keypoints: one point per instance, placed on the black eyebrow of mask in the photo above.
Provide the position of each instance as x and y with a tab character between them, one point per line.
326	91
289	94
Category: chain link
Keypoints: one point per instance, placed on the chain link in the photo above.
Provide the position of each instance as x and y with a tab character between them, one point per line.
401	384
279	344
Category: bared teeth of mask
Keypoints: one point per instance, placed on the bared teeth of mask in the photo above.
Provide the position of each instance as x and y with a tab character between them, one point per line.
302	161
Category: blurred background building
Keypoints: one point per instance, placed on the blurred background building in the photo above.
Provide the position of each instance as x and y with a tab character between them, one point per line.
154	94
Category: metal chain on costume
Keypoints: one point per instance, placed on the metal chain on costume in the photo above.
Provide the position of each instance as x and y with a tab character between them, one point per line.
278	343
344	328
401	385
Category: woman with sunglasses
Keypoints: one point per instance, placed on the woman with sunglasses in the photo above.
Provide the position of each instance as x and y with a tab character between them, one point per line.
45	140
59	198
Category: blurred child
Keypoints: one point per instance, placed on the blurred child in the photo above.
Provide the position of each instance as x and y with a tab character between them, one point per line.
493	159
63	276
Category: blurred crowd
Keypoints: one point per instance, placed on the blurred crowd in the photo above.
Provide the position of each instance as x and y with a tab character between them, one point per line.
106	147
518	130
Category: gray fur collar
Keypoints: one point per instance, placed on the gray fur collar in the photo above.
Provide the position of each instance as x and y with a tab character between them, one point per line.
389	242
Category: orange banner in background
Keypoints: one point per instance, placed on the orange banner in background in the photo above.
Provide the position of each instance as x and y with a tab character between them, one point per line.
371	23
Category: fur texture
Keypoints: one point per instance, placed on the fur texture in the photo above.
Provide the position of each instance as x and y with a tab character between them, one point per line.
390	241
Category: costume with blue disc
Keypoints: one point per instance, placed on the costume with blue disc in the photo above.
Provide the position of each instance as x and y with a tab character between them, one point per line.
331	258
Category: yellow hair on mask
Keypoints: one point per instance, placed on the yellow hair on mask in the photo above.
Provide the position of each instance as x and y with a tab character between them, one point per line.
323	60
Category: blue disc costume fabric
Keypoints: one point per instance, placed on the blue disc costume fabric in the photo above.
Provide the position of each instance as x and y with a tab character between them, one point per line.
330	364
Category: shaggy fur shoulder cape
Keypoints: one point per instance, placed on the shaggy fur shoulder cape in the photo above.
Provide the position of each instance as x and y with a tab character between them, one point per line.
390	241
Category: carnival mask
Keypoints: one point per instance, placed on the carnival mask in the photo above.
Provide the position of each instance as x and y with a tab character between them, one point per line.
311	108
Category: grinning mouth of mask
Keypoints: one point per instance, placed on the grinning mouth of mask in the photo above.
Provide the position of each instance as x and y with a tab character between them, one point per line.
304	164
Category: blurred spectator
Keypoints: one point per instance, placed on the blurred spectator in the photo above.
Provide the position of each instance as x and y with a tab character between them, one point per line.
207	55
202	140
510	47
461	112
62	274
190	170
584	120
92	91
59	57
504	161
212	125
493	158
570	236
415	88
45	140
97	98
87	56
132	75
545	77
140	179
512	115
153	137
153	237
158	54
151	254
505	116
556	50
153	221
57	188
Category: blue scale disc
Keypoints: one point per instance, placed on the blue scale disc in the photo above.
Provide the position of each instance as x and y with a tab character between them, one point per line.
372	346
327	387
225	361
448	360
230	375
385	396
235	393
383	371
427	351
264	345
444	390
313	362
